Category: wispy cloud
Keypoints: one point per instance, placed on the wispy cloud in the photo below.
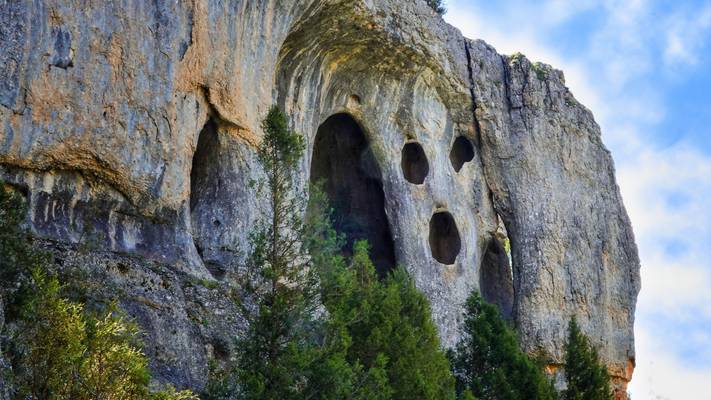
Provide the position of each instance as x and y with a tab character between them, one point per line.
621	55
685	36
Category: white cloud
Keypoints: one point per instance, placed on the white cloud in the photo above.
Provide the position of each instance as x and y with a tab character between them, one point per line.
684	37
665	376
666	192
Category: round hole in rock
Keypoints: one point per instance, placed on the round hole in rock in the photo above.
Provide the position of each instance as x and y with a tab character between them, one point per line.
496	279
445	242
344	163
415	166
462	152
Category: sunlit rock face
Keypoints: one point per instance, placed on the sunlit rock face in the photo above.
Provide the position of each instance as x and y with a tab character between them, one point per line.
134	124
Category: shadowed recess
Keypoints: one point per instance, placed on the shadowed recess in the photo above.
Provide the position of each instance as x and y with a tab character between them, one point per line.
415	166
445	242
203	184
496	279
343	162
462	152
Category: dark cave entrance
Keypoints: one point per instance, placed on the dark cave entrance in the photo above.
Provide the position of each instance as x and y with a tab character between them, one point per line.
496	277
204	186
462	152
445	242
415	166
342	160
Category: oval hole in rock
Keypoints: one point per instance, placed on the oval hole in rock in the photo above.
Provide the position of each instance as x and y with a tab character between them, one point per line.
344	163
462	152
496	278
203	176
415	166
445	242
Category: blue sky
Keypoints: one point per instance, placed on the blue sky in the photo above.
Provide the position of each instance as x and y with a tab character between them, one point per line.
644	69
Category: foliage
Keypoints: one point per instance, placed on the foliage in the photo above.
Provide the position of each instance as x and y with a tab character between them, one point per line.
280	298
390	328
384	327
586	377
438	6
489	362
59	350
49	342
63	351
374	341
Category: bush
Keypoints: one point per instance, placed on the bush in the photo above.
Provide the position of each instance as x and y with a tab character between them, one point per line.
62	351
489	362
59	350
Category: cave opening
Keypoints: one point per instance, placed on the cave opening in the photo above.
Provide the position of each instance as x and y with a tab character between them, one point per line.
345	166
204	181
461	153
415	166
496	277
445	242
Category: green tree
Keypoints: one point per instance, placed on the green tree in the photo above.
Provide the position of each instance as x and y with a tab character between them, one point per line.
63	351
281	355
390	328
59	350
375	340
489	362
438	6
586	376
48	342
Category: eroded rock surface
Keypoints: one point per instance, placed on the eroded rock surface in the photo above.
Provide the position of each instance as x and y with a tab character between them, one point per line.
131	126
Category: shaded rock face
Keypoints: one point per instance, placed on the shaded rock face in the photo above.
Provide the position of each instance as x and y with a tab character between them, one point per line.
132	126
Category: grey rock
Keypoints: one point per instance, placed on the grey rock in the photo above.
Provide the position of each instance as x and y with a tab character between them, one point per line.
102	106
553	184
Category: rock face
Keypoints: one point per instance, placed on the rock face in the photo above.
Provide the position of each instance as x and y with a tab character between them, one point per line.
131	126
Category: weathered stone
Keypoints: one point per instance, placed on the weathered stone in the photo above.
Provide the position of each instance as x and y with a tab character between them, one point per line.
102	105
553	184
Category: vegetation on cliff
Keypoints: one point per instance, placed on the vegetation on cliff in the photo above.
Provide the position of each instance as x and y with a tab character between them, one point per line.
489	362
374	340
586	376
57	348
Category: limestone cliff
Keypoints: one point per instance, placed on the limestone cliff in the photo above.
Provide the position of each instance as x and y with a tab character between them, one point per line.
130	127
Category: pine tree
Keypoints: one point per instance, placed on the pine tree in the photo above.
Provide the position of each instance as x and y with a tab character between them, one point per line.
489	362
340	288
375	342
586	377
390	328
279	298
290	350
